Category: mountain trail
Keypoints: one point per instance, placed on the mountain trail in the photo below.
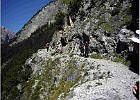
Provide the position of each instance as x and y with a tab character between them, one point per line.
102	79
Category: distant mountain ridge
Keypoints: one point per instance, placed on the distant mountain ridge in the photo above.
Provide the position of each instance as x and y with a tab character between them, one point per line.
42	17
6	34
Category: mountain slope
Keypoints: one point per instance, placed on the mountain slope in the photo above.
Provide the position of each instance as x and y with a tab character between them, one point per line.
14	57
45	16
35	74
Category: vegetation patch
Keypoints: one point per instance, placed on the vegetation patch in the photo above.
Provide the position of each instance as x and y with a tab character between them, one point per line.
115	11
108	27
73	8
12	73
127	19
82	66
28	87
45	82
122	60
68	1
82	14
65	83
116	58
63	87
101	20
59	17
71	54
126	10
35	94
96	56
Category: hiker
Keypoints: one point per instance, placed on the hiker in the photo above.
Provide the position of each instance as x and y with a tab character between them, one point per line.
59	47
63	41
85	37
81	47
47	46
133	55
134	59
86	48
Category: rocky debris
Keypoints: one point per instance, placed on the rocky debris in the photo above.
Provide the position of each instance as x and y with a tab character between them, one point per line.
116	85
37	61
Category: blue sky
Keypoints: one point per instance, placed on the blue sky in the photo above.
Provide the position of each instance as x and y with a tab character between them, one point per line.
16	13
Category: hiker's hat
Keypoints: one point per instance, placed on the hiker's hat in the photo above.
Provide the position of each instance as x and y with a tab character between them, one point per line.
135	39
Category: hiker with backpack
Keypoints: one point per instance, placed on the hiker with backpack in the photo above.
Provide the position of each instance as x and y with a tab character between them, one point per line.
47	46
86	48
81	47
86	40
59	47
134	59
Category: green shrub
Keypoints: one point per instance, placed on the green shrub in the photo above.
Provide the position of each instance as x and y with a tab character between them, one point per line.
73	8
102	20
126	10
63	87
59	17
82	66
68	1
85	74
108	27
127	19
115	11
82	14
96	56
122	60
71	54
28	87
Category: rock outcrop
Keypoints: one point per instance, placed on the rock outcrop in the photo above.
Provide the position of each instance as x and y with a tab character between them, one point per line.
104	22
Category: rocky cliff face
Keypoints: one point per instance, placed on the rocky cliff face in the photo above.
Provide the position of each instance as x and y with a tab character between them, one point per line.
104	22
